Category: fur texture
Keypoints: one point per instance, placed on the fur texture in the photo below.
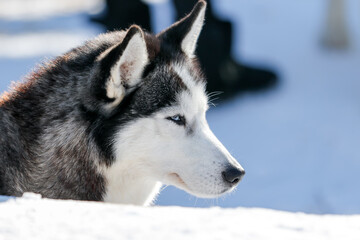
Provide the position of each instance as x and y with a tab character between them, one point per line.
114	119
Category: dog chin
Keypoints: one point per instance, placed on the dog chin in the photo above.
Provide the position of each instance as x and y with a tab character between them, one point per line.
210	195
177	181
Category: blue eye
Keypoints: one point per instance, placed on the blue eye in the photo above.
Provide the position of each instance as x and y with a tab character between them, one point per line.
178	119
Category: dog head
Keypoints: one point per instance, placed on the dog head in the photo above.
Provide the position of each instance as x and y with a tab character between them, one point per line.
155	110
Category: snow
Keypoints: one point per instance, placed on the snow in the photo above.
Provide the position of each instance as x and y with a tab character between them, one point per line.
31	217
46	43
298	143
37	38
41	9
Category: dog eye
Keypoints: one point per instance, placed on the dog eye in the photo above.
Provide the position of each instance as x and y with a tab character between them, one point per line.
178	119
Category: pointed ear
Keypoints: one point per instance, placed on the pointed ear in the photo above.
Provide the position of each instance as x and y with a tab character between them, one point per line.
126	63
185	32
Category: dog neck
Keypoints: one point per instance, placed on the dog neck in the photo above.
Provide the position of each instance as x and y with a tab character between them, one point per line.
125	187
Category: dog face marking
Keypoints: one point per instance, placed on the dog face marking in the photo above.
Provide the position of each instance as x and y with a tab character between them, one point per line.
114	119
168	139
186	155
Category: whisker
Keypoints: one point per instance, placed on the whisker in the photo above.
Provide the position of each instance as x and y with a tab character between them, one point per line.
213	97
212	103
196	199
163	188
215	93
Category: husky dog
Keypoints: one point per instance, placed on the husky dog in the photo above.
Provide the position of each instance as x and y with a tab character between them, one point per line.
114	119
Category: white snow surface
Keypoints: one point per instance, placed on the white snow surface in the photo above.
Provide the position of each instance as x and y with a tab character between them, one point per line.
31	217
299	143
41	9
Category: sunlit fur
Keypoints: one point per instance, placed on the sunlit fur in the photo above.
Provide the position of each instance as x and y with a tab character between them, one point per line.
158	150
97	123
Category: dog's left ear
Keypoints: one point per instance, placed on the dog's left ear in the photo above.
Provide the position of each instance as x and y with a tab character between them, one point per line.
185	32
124	65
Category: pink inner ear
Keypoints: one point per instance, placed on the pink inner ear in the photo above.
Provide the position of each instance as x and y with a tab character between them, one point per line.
125	70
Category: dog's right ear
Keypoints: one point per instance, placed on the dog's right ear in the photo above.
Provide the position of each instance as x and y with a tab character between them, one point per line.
185	33
123	65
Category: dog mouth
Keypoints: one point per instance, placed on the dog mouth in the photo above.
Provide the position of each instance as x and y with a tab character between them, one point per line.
177	180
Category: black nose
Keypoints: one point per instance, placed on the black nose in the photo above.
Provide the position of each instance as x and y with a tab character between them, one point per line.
233	175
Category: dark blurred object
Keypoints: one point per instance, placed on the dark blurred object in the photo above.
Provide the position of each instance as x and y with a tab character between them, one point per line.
214	51
214	46
123	13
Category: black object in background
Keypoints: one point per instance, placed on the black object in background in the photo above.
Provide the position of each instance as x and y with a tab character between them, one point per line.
121	14
214	46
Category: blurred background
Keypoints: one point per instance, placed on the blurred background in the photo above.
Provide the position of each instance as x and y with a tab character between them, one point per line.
289	73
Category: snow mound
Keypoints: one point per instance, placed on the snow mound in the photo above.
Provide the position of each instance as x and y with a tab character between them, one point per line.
31	217
38	44
39	9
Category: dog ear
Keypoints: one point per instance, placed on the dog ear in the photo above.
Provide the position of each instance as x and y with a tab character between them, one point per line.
124	64
185	32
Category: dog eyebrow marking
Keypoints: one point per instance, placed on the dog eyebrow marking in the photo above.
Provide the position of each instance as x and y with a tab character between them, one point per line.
189	79
183	74
178	79
196	87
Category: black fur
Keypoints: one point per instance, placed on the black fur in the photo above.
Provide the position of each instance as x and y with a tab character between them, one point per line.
54	130
176	33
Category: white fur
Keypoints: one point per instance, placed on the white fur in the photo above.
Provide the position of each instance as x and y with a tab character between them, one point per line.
131	64
188	44
153	149
128	185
